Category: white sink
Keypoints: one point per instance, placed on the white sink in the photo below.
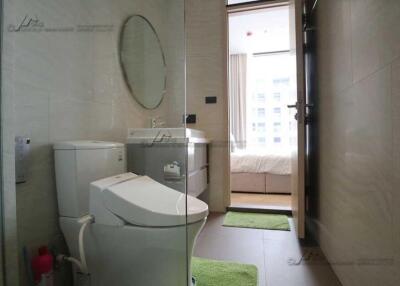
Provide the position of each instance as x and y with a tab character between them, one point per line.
166	135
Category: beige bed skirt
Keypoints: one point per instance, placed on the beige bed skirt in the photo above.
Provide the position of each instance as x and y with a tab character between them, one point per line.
260	183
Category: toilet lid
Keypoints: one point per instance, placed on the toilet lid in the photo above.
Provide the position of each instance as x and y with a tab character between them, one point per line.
143	201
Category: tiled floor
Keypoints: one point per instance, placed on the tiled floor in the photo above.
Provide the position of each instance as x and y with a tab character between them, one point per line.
261	200
280	260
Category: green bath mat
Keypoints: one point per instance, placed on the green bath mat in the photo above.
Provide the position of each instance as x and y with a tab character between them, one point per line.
257	220
220	273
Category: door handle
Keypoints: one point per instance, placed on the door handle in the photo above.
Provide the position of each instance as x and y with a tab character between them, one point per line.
292	105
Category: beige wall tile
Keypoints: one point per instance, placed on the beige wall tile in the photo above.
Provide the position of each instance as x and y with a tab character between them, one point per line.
8	163
358	220
206	76
375	35
334	52
396	158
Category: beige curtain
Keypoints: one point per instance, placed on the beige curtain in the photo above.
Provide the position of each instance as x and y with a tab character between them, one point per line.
237	96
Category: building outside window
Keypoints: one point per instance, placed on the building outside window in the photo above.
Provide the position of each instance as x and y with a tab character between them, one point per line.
270	74
261	127
261	112
261	140
271	83
277	96
277	110
277	127
261	98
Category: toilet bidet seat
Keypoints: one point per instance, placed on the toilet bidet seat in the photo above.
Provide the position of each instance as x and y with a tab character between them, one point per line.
142	232
140	200
141	235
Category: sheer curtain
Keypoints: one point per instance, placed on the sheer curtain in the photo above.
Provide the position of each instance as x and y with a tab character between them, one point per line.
237	96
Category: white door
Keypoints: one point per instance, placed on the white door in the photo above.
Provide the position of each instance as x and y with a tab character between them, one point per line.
298	141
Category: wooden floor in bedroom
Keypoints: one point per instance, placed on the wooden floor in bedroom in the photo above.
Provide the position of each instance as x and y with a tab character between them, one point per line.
260	200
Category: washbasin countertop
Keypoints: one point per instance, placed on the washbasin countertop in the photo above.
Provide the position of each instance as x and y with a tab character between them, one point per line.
167	135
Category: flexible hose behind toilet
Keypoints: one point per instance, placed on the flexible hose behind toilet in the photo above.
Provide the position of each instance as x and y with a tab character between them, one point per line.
84	221
81	264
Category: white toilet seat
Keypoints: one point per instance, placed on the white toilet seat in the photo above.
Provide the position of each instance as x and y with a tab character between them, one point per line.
134	255
139	200
140	235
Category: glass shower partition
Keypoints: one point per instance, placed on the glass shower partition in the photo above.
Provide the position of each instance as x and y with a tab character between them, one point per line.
92	70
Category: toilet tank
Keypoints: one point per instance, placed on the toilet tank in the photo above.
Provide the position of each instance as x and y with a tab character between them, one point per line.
77	164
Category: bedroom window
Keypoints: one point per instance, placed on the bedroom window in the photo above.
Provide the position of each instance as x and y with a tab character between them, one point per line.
277	96
277	140
262	73
261	98
261	127
270	75
261	112
277	110
281	81
277	127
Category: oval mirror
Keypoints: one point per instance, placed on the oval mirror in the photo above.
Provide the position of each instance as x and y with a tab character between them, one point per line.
142	61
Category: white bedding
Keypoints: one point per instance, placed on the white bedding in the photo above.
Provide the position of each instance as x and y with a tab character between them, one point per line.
257	162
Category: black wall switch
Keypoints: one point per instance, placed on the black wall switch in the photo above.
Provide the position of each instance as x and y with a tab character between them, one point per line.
190	118
211	99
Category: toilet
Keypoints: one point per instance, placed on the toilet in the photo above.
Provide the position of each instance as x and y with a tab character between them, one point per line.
141	233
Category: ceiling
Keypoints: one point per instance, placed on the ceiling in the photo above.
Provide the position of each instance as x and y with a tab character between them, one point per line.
259	31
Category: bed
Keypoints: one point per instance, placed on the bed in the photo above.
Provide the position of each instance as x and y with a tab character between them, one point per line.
258	172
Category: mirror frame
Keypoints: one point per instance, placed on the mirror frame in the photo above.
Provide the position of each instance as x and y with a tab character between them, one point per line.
124	73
